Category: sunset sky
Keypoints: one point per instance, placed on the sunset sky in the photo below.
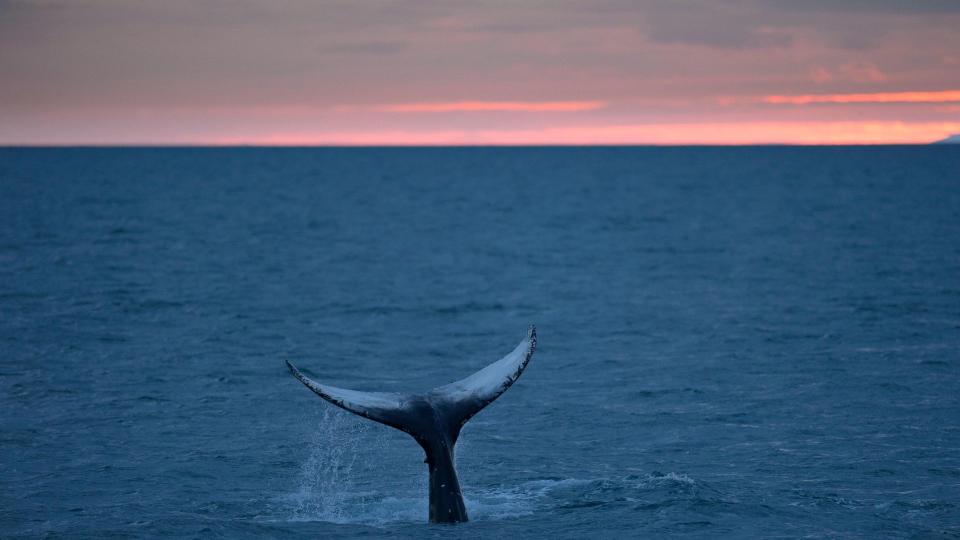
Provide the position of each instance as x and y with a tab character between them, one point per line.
291	72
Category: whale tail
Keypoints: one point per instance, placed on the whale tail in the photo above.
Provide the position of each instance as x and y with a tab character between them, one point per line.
434	419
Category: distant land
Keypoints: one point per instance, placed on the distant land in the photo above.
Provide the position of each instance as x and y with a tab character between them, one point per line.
952	139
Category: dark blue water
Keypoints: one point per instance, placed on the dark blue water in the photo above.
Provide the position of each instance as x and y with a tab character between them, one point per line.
733	341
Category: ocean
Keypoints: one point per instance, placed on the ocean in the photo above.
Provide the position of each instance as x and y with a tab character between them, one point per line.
733	342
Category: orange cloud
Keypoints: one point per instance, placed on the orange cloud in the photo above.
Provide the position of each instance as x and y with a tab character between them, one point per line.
490	106
881	97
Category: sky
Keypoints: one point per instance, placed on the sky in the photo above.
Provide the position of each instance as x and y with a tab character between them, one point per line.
299	72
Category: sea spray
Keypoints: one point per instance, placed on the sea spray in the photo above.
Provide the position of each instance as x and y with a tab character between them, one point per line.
327	488
352	474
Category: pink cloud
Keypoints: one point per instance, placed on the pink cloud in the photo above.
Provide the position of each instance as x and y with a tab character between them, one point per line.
821	75
863	72
492	106
944	96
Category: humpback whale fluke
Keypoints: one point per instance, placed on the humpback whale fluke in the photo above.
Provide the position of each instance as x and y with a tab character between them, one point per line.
434	419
